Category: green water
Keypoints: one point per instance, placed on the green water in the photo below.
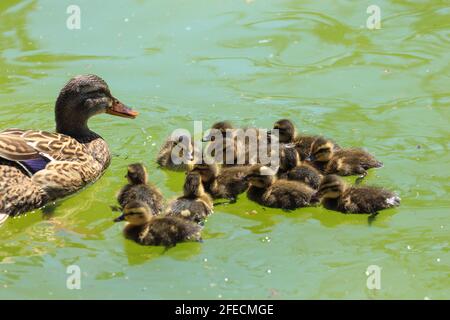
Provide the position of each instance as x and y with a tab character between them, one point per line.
251	62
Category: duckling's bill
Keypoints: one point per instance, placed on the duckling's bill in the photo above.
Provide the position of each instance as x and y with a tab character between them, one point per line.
120	218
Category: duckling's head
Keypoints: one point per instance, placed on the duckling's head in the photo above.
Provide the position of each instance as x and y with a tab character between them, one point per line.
136	213
218	128
332	186
261	176
136	174
321	150
82	97
193	186
182	147
208	172
286	130
289	157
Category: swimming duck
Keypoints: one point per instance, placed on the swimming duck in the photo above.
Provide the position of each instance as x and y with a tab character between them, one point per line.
288	134
38	166
338	196
344	162
195	204
291	168
269	191
176	153
138	189
225	182
146	229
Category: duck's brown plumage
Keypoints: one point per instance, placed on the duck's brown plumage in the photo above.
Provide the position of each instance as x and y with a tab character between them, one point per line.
291	168
149	230
139	189
67	160
344	162
269	191
223	182
195	204
336	195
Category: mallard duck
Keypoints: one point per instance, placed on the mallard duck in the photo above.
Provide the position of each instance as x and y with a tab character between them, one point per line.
269	191
225	182
176	153
38	166
344	162
338	196
146	229
291	168
195	204
138	189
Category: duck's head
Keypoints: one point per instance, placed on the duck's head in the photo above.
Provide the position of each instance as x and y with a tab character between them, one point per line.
218	128
321	150
136	174
136	213
286	130
289	157
182	148
261	176
208	172
332	187
193	186
81	98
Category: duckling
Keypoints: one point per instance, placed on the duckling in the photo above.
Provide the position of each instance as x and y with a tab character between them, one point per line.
146	229
269	191
344	162
138	189
195	204
291	168
288	134
240	145
336	195
169	158
225	182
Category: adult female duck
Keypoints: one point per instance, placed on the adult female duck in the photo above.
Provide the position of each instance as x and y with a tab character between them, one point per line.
37	166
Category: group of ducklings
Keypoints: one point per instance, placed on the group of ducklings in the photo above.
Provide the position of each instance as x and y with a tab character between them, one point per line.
308	175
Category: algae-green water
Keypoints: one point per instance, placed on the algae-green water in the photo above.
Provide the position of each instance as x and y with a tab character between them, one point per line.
251	62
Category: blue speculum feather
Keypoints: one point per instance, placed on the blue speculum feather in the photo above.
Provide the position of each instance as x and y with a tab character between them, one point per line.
35	165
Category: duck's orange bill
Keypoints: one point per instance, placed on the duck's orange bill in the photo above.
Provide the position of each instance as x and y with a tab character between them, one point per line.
121	110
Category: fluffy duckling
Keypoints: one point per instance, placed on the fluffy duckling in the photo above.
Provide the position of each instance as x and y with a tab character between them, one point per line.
139	189
195	204
146	229
225	182
242	142
176	159
338	196
269	191
344	162
288	134
291	168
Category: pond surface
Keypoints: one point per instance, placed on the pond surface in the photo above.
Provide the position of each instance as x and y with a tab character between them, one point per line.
251	62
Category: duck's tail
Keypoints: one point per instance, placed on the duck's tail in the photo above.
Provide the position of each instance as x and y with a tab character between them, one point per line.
393	201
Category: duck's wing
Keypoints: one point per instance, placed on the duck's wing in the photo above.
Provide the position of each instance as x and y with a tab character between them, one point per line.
20	145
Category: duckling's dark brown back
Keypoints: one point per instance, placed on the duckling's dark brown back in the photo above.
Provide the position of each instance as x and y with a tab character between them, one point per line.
143	192
168	231
368	199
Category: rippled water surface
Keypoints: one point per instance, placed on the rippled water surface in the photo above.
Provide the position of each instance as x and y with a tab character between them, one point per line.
251	62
